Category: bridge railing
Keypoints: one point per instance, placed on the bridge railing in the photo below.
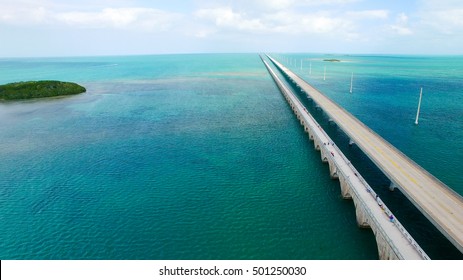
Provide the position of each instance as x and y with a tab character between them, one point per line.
386	211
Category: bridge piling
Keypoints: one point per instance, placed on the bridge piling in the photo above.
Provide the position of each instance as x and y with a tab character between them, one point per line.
333	170
392	186
360	213
385	251
345	189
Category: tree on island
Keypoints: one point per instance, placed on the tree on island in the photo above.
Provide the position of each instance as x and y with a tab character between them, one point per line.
38	89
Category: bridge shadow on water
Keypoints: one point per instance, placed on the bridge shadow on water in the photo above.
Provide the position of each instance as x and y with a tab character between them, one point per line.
433	242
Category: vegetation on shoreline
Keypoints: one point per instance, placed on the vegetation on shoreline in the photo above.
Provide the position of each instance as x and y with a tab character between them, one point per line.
38	89
332	60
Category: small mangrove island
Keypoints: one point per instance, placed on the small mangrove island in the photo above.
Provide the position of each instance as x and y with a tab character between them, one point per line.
38	89
332	60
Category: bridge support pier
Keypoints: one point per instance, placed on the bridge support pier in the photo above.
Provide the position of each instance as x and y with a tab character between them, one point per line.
385	251
345	188
311	135
392	186
309	132
333	170
360	213
316	144
323	153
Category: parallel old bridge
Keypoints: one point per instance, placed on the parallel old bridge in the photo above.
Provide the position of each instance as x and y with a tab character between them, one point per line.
441	205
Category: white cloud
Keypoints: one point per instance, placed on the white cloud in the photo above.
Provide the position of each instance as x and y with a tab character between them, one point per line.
320	23
286	4
226	18
23	12
444	21
354	24
259	7
148	19
128	18
442	16
401	25
278	22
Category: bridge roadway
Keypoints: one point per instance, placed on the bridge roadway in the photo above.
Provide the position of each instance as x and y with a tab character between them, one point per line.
441	205
393	241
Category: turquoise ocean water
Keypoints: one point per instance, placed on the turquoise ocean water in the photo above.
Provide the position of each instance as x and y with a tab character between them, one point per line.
200	157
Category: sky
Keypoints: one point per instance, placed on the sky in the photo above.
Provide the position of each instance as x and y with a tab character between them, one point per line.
37	28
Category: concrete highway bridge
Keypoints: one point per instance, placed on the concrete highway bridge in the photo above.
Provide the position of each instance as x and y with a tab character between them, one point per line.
441	205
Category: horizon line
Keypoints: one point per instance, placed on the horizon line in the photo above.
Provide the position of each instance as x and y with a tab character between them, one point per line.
250	52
